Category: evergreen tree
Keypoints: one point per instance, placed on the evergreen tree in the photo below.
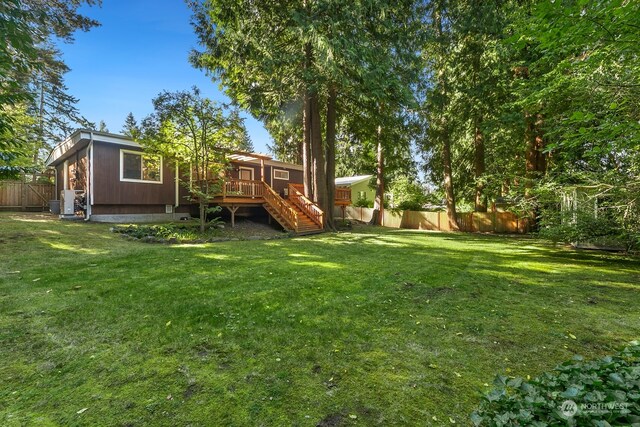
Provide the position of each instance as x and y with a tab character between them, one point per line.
319	53
33	71
130	127
102	127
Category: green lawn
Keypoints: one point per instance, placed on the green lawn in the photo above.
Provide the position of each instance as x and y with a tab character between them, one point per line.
370	327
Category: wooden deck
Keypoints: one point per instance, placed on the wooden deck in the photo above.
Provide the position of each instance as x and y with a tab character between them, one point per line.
343	196
241	192
251	192
295	212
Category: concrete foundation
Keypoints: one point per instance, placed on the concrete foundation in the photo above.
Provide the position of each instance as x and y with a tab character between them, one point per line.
140	218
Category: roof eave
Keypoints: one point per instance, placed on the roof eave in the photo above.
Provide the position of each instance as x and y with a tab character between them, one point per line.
58	153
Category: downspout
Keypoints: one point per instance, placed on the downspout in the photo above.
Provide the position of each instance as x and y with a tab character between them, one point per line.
89	195
65	175
57	195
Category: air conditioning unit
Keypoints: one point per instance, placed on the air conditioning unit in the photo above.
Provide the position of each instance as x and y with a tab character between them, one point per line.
67	202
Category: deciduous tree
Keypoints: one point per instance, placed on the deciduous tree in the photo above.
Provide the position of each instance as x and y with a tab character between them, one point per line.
196	133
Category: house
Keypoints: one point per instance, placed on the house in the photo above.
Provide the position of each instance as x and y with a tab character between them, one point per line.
115	180
359	186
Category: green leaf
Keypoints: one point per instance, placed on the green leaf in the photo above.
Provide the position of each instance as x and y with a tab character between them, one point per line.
476	419
616	378
570	392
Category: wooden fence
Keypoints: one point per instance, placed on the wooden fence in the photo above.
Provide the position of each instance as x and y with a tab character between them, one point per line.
488	222
22	195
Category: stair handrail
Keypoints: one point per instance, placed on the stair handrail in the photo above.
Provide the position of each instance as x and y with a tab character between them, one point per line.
281	206
307	206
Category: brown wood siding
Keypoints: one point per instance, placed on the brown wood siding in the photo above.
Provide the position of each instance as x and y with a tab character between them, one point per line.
295	177
234	170
78	171
109	190
59	180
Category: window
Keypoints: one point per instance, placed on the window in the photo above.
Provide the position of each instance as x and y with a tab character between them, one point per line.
281	174
362	195
136	166
245	173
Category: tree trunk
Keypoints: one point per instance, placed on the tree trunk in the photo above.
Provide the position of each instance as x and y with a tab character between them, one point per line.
378	204
317	156
448	180
40	141
443	131
478	137
330	136
479	164
541	156
203	216
306	148
531	158
535	158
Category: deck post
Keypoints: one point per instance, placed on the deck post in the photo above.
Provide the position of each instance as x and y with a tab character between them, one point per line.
261	169
233	209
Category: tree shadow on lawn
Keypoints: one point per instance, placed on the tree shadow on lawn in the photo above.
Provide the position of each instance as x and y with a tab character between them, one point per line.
379	313
531	247
505	250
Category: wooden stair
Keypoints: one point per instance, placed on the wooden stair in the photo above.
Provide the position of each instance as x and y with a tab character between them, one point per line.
305	224
291	217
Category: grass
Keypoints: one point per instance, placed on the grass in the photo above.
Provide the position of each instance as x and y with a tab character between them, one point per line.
370	327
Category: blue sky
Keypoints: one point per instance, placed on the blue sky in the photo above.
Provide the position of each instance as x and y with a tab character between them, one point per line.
140	50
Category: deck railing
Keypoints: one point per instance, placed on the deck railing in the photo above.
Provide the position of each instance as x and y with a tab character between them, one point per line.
343	194
281	206
242	188
306	205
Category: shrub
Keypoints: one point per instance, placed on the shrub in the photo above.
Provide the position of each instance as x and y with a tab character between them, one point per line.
408	194
409	205
605	392
363	203
186	231
582	226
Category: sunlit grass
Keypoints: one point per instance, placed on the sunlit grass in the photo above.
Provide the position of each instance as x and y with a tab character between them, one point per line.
393	327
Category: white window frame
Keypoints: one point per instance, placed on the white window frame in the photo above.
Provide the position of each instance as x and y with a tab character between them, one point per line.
281	170
141	154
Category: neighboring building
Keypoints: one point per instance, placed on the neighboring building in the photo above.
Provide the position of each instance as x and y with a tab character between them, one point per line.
359	185
116	181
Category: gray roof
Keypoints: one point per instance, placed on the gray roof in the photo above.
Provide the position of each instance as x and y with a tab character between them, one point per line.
350	180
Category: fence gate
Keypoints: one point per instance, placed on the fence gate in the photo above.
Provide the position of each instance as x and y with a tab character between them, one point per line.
24	195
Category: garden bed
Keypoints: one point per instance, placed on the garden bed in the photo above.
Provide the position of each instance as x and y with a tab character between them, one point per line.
189	233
